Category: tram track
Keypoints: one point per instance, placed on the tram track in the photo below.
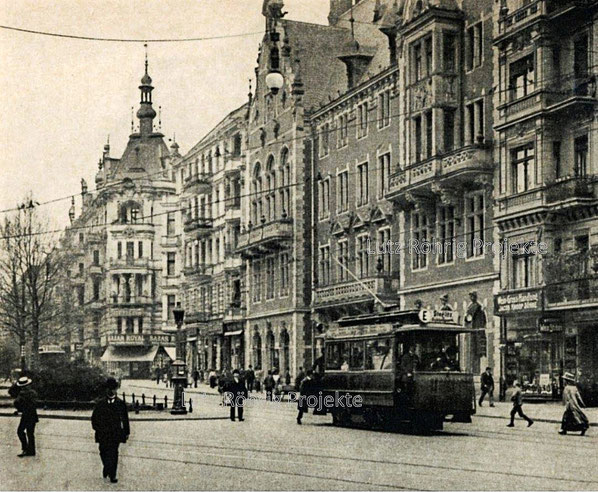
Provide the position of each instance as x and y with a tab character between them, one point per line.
479	468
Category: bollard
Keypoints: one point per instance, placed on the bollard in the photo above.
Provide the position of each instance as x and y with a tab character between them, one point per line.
190	405
166	401
133	398
154	400
137	407
143	399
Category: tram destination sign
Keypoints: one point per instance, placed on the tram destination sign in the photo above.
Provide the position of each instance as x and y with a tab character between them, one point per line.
518	302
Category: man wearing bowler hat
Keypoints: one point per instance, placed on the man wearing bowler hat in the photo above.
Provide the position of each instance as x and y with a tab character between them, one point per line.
110	422
25	403
236	393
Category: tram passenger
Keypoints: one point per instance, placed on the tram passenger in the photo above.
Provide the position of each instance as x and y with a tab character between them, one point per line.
408	364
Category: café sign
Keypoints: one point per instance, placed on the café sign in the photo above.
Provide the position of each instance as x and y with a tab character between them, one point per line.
518	302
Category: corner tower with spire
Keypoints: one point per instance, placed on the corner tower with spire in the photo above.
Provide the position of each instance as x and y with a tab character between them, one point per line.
146	112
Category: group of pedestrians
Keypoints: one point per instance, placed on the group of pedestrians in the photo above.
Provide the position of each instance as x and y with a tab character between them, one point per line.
573	420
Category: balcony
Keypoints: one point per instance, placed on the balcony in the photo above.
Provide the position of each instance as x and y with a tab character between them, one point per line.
347	292
265	238
136	340
95	270
234	314
232	262
170	241
130	300
197	317
513	21
198	273
453	169
199	225
565	193
129	229
232	203
571	91
197	183
129	263
571	277
570	188
233	165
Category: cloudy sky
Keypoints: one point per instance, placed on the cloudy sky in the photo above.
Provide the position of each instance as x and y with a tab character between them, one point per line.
61	98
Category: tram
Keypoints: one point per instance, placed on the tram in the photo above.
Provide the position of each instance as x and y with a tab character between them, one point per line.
404	367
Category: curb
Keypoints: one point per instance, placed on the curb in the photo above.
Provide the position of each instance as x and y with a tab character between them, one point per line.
131	419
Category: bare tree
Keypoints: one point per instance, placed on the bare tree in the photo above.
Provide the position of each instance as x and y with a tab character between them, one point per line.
30	273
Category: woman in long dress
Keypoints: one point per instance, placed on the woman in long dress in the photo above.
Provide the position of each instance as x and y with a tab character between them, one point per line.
574	419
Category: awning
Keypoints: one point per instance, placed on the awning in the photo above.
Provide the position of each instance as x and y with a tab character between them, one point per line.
129	354
171	351
233	333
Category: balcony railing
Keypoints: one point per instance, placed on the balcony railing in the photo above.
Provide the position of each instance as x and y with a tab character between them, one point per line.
267	235
197	270
198	224
383	286
469	158
234	313
572	87
511	21
129	262
197	183
120	299
571	187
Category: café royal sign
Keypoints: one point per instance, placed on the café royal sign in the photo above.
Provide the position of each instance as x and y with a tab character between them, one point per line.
518	302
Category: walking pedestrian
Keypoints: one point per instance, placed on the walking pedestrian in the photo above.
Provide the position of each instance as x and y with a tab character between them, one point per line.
195	377
158	375
517	400
299	379
25	403
574	419
487	386
269	385
287	378
110	421
306	389
250	378
236	393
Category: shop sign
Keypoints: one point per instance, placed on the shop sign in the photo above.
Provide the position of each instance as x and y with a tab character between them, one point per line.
519	302
550	325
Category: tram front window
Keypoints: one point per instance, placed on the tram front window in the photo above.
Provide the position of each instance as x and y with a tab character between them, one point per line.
435	352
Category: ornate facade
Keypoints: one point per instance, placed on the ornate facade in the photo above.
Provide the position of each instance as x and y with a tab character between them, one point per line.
125	258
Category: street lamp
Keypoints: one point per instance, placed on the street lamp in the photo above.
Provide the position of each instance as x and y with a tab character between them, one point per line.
179	376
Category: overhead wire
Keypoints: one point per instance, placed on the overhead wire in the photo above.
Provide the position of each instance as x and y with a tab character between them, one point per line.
290	140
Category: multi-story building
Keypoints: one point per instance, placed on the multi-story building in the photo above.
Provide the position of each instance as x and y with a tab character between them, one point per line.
355	152
124	260
298	60
444	169
546	123
209	181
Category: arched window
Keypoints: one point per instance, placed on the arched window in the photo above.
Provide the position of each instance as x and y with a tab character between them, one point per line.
257	349
285	190
130	213
256	192
270	189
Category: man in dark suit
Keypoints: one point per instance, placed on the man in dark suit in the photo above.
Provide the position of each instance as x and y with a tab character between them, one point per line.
236	393
25	403
487	386
307	388
250	375
110	422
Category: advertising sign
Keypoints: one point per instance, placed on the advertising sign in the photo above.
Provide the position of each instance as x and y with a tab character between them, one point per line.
518	302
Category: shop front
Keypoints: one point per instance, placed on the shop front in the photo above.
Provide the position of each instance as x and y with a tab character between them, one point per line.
536	348
135	362
210	346
233	349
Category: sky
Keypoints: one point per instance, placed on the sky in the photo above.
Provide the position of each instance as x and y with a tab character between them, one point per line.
62	98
